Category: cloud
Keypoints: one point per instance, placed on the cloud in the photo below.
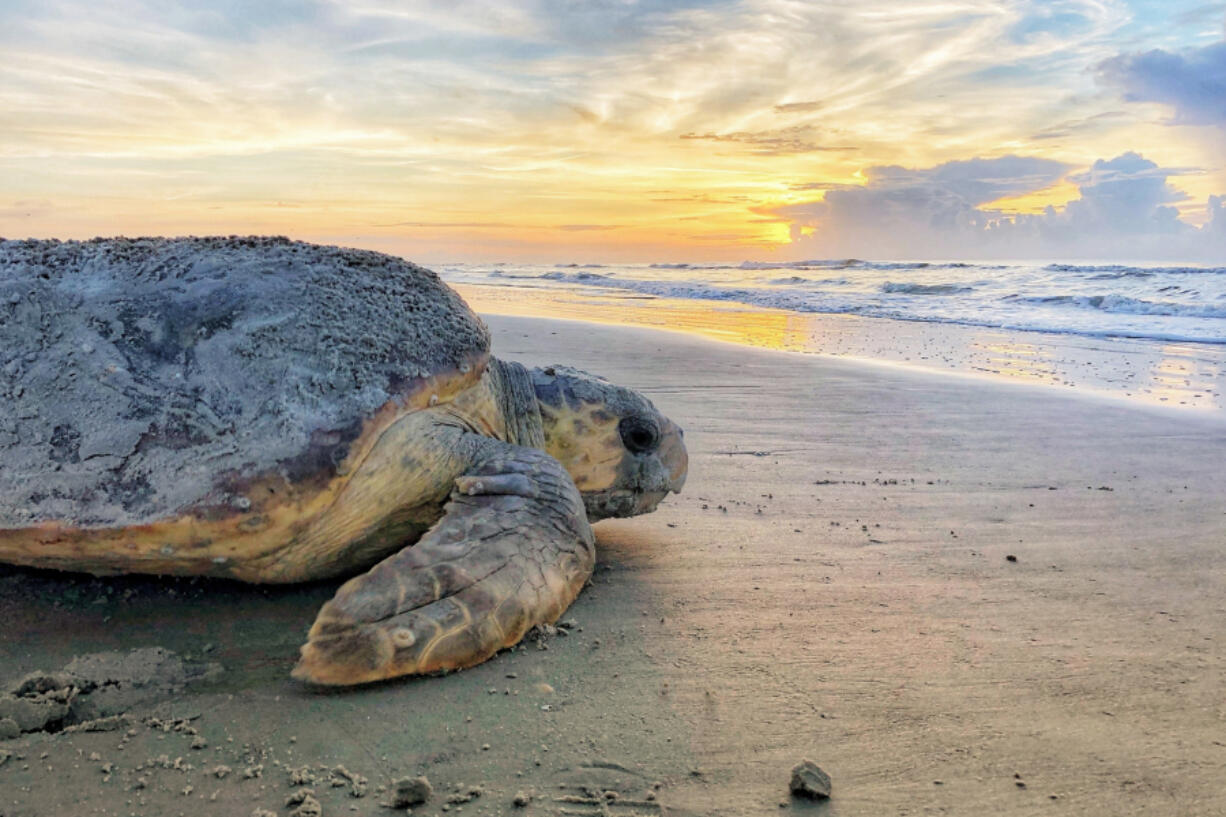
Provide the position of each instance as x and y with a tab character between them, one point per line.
1083	125
798	107
1199	15
1125	197
1217	218
1124	211
777	142
456	81
976	181
542	112
447	225
26	208
1053	20
1192	82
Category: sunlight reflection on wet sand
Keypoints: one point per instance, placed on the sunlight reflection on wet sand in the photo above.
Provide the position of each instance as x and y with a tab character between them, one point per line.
1182	375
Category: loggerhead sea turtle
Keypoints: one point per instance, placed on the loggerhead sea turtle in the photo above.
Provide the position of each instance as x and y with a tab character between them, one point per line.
275	411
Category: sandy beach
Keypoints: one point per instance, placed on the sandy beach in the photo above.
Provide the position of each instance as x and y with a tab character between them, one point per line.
955	595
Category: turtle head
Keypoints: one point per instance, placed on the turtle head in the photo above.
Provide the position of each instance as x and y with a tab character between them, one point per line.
623	455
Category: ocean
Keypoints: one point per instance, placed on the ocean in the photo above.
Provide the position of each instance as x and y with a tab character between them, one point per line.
1160	303
1155	334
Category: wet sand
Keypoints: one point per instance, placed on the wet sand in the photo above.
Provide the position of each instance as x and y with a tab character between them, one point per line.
1166	374
835	584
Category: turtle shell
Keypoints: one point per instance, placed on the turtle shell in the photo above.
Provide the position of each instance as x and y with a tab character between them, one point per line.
152	379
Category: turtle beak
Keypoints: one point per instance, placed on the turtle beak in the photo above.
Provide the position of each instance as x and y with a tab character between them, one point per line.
672	454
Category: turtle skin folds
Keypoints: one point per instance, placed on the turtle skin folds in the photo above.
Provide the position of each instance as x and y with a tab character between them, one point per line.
512	550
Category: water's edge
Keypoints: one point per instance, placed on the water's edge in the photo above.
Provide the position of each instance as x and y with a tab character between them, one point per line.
1177	375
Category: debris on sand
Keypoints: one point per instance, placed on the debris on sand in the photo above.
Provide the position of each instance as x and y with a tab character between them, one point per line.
541	635
111	723
301	776
343	777
299	797
464	794
309	807
411	791
808	780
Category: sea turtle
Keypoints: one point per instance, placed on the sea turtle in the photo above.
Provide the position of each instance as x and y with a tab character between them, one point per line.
275	411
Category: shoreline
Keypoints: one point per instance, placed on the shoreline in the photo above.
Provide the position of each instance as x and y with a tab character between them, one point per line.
952	594
1187	377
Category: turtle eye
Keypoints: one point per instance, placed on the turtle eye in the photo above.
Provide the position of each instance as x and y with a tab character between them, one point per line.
639	435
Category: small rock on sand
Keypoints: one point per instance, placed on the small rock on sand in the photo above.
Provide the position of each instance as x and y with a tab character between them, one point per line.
411	791
309	807
522	799
808	780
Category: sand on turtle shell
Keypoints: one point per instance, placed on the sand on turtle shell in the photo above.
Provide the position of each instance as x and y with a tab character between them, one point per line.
137	373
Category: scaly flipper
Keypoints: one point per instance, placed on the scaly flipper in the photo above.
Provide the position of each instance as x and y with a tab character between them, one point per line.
512	550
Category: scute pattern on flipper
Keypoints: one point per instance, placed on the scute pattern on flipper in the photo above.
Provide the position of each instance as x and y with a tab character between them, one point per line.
513	549
136	372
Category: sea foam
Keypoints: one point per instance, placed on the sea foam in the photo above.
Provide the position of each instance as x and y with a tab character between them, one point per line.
1181	303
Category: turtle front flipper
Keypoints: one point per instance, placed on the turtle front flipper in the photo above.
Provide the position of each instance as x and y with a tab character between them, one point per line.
512	550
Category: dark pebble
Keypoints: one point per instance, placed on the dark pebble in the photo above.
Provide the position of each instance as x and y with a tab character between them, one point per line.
808	780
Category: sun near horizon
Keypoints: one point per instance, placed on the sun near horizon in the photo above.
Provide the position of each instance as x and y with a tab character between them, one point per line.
627	132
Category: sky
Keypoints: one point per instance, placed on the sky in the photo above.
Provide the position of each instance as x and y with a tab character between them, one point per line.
624	130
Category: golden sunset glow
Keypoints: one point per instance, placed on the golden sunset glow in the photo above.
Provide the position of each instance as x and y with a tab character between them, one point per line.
626	132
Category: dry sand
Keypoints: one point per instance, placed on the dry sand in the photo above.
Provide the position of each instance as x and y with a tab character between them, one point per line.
835	584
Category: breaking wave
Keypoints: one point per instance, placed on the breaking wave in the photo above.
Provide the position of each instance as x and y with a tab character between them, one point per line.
1180	303
925	289
1130	306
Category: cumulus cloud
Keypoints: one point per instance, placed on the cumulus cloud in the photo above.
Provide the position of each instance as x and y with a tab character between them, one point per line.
976	181
899	204
1128	194
1124	211
1215	229
1192	82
